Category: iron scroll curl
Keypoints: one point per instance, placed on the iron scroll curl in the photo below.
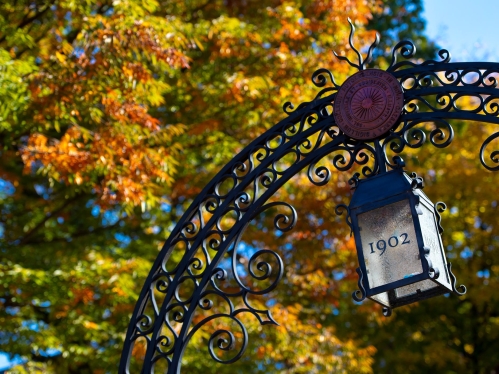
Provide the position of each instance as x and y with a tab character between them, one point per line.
176	290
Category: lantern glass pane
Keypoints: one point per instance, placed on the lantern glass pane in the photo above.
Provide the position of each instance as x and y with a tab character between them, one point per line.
389	243
432	240
382	298
412	289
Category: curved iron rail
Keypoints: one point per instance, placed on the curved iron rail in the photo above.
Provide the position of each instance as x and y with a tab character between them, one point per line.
176	289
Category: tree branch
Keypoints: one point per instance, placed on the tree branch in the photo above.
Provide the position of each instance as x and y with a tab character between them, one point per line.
76	234
28	20
30	233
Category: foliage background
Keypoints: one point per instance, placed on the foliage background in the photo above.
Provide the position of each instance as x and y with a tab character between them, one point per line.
114	115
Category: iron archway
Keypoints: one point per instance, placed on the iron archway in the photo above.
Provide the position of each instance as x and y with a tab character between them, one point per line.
163	316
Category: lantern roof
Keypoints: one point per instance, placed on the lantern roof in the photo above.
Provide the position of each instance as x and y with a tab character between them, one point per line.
381	187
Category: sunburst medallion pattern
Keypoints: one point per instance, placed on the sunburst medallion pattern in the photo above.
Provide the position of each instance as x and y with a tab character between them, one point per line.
368	104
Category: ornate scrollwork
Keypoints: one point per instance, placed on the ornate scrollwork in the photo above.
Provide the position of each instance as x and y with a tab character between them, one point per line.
263	265
354	181
417	182
339	209
360	294
433	272
461	290
434	90
226	343
494	155
439	207
319	78
413	137
258	270
407	50
361	65
318	175
199	268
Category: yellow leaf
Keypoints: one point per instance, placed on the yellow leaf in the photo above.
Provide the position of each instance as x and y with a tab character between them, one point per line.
60	57
91	325
199	44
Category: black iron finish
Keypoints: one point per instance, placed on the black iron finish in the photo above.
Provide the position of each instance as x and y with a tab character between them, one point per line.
462	288
387	189
440	207
360	294
187	277
339	211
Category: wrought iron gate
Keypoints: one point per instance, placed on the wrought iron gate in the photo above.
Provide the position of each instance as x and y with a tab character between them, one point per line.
186	276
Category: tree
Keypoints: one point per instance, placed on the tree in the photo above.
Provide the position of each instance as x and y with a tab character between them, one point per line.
401	20
113	116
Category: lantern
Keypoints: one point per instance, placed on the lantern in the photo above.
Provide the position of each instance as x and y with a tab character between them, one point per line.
397	235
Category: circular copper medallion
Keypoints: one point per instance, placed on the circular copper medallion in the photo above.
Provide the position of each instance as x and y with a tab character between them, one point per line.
368	104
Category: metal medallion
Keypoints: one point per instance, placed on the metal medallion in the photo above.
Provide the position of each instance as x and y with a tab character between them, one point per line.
368	104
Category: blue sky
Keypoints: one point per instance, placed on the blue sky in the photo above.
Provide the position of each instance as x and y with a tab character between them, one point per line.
467	28
5	362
